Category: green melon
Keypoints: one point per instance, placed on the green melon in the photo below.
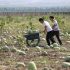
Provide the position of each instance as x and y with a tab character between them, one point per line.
13	49
21	52
66	64
4	49
19	64
55	45
67	59
63	49
44	53
51	46
46	47
32	66
38	48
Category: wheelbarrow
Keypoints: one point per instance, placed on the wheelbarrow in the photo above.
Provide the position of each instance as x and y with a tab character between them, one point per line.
32	39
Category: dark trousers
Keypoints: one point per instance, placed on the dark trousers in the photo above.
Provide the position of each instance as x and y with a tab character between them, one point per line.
49	37
56	33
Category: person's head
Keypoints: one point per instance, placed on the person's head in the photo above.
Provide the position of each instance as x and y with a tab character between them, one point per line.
41	20
51	18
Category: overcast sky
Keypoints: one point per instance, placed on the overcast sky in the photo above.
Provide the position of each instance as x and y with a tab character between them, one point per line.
34	3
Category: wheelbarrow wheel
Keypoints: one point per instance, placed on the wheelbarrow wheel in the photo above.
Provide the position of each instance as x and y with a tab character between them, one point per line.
33	42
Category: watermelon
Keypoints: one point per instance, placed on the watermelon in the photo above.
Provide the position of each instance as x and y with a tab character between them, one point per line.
65	64
13	49
21	52
32	66
67	59
4	48
55	45
38	48
18	64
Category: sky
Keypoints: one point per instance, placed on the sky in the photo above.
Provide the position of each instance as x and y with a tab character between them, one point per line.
34	3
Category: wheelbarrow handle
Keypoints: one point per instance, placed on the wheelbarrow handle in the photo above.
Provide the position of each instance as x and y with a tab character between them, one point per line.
41	31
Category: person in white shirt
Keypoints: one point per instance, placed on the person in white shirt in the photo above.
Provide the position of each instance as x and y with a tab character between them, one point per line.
56	29
48	30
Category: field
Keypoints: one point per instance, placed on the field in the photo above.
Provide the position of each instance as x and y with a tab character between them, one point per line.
16	55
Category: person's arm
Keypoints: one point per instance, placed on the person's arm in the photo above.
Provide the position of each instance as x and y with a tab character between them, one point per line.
45	30
54	26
